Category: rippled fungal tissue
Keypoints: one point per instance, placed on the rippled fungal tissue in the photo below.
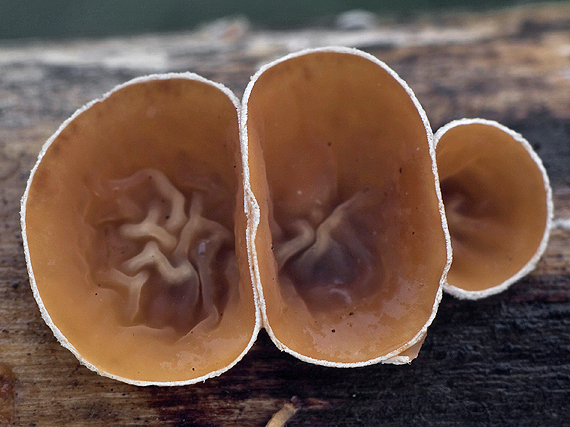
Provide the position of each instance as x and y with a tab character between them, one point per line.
134	233
498	203
164	224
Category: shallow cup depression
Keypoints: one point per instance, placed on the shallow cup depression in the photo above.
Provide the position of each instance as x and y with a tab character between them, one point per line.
130	220
498	203
341	165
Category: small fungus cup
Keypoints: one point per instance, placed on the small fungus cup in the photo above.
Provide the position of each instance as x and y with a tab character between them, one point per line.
134	233
164	224
347	237
498	203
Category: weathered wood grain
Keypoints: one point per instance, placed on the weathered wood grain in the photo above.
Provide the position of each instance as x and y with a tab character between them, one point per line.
502	361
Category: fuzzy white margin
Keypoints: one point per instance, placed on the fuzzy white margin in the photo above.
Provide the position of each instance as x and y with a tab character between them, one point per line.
531	264
44	312
254	215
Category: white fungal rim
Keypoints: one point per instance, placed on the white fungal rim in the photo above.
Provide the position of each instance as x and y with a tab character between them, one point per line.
44	312
531	264
253	212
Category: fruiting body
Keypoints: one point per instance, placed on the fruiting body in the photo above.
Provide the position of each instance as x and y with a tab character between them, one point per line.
161	228
344	201
498	203
133	230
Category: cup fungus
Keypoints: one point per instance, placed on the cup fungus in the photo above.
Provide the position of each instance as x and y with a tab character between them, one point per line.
347	237
498	203
134	233
161	228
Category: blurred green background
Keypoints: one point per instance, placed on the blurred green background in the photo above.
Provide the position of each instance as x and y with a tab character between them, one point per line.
95	18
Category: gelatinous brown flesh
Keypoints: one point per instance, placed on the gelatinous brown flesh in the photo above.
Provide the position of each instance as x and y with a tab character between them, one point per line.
131	218
167	250
350	246
495	202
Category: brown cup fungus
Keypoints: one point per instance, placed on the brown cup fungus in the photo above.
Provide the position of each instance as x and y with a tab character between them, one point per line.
498	204
134	233
347	237
161	228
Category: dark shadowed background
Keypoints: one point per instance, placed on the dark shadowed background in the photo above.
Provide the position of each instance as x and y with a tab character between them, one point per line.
72	18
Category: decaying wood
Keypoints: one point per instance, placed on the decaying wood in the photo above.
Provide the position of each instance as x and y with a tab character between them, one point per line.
280	418
502	361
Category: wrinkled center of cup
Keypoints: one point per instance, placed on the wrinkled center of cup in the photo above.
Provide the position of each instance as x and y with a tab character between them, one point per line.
163	250
330	262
